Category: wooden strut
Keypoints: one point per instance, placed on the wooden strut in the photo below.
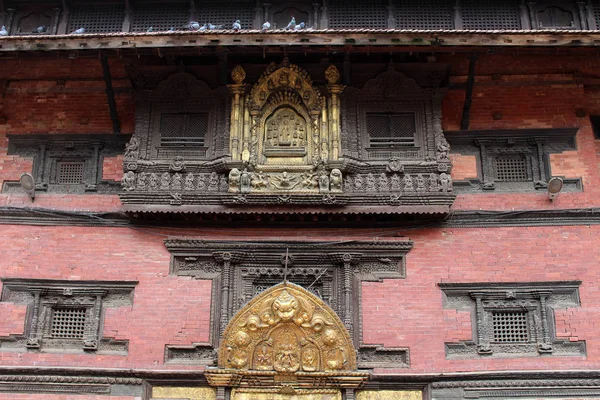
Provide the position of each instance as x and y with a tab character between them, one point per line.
466	116
110	95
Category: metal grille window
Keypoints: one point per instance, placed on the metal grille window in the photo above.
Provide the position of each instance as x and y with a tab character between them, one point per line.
490	14
183	129
226	15
510	326
68	323
357	14
70	173
97	18
596	10
424	14
511	168
391	130
161	17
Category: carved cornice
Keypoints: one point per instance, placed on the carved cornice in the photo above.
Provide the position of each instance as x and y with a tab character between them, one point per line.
513	136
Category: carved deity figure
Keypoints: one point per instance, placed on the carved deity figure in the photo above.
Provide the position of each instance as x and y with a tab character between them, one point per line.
445	182
189	182
408	183
396	185
287	353
128	181
310	359
285	306
213	182
371	184
234	180
132	149
245	181
142	181
284	181
176	184
359	183
177	164
308	181
165	181
383	183
433	183
286	129
154	184
420	183
258	181
323	182
335	180
201	182
443	149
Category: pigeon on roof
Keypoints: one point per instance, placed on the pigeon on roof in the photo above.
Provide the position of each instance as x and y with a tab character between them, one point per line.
203	28
151	29
237	25
292	24
213	27
194	26
300	26
266	26
40	29
3	31
78	31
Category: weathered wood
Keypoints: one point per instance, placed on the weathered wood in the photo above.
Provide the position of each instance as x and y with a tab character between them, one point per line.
110	94
466	116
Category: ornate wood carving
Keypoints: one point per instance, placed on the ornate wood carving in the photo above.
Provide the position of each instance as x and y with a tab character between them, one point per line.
332	271
528	309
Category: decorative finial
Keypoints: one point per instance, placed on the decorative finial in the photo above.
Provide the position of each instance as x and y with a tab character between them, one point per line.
238	74
332	74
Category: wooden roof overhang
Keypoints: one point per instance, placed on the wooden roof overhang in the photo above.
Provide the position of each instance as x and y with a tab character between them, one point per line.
372	38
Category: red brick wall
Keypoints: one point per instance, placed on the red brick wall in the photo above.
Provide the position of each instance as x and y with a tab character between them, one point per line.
397	313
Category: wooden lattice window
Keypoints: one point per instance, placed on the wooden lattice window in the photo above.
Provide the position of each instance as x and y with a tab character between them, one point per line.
183	129
70	173
490	14
391	129
221	14
68	323
510	326
357	14
424	14
511	168
97	18
160	17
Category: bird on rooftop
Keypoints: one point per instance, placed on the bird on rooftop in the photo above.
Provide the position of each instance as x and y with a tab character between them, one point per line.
292	24
78	31
213	27
237	25
40	29
301	25
171	29
266	26
193	25
203	28
3	31
151	29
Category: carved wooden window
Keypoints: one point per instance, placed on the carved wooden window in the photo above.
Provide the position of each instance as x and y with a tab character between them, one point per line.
424	14
65	315
344	14
67	163
99	18
556	17
160	17
183	129
596	12
512	168
513	319
490	14
70	173
391	129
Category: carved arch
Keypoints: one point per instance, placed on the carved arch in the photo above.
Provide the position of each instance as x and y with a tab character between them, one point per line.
287	329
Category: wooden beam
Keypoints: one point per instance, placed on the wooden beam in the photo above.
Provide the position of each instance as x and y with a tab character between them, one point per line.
110	95
466	116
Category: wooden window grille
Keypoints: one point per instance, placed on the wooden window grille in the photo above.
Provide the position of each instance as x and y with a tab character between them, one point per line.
161	17
97	18
68	323
424	14
511	168
70	173
510	327
221	14
183	129
357	14
391	129
596	11
490	14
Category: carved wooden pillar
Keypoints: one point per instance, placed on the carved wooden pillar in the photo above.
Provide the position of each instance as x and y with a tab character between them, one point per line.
33	337
483	333
457	15
348	260
90	341
238	114
542	166
581	5
391	15
220	393
42	177
532	15
315	24
349	394
324	21
225	258
590	15
266	16
545	346
95	175
54	27
10	15
335	89
258	16
64	19
524	16
128	17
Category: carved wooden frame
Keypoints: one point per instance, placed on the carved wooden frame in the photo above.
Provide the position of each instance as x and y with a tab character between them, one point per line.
42	295
537	299
341	267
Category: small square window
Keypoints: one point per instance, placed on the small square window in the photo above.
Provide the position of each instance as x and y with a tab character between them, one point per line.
391	129
70	173
183	129
68	323
511	168
510	327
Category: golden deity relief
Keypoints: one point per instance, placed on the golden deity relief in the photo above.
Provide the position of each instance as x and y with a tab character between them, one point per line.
285	134
287	329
